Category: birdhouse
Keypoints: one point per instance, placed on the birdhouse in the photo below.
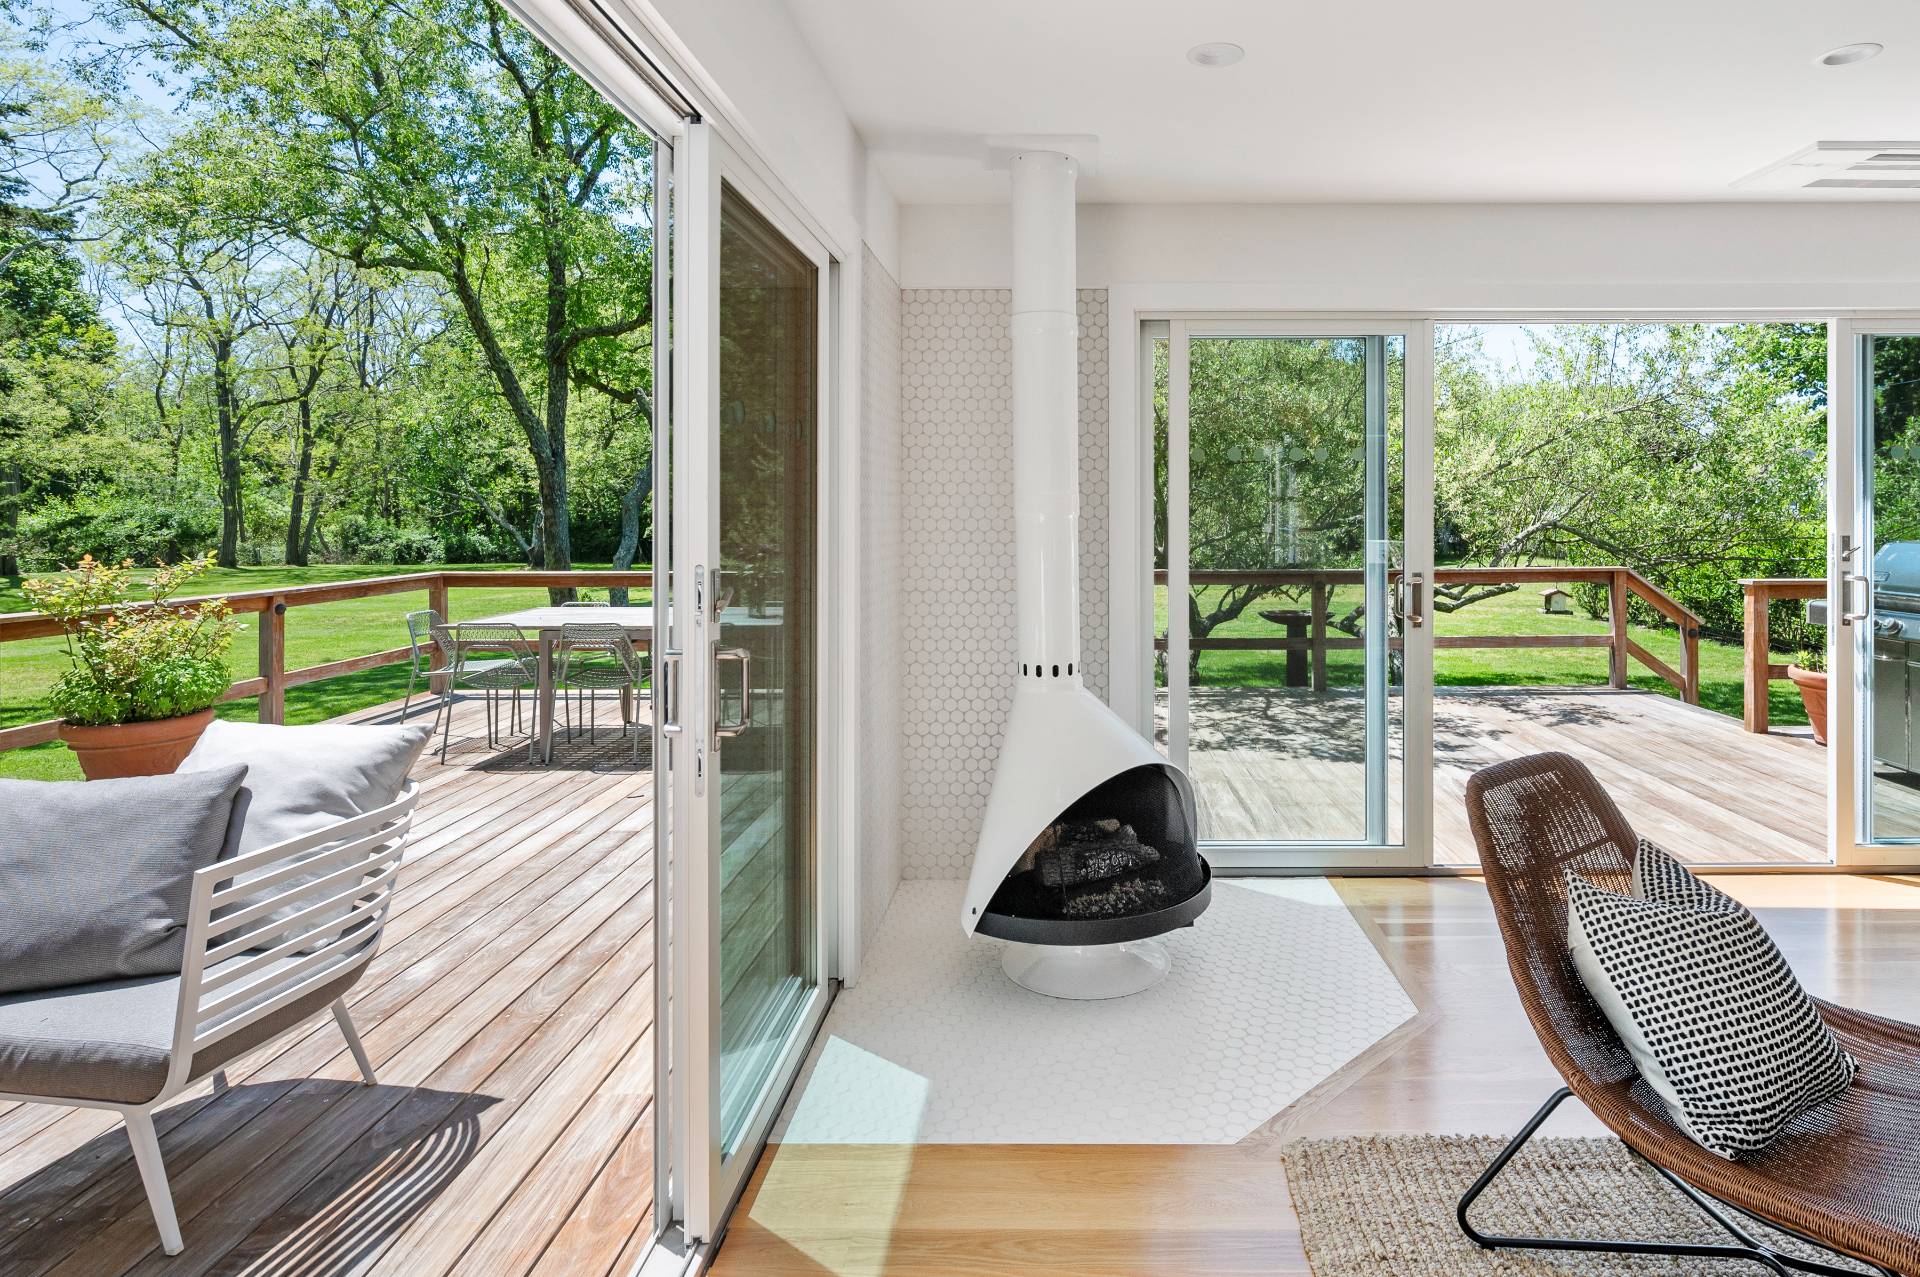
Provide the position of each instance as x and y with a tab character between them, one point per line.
1555	601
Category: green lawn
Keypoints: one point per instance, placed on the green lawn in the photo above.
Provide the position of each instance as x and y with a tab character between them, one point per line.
1721	664
316	634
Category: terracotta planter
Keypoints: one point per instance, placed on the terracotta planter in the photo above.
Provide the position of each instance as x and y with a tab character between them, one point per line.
135	749
1813	694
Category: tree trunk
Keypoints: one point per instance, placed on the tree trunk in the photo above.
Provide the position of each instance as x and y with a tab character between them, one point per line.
629	546
556	532
11	486
296	553
230	511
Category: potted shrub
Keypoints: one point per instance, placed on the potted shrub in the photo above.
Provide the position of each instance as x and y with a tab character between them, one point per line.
145	675
1808	670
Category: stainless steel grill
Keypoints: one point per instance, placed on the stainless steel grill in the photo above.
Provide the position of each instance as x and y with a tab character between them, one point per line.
1896	656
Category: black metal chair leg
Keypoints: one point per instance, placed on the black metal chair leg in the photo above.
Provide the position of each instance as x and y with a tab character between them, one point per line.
1749	1250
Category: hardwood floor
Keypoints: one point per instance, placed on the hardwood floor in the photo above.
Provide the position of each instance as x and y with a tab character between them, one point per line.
1278	762
509	1016
1467	1063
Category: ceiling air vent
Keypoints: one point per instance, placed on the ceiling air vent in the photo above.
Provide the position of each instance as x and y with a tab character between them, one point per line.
1849	166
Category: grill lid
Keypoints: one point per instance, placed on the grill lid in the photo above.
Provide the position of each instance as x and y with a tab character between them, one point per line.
1896	576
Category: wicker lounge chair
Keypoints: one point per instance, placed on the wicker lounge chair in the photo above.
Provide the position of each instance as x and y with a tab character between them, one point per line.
1845	1176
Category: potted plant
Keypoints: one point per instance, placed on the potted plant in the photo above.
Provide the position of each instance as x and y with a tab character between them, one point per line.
144	676
1808	670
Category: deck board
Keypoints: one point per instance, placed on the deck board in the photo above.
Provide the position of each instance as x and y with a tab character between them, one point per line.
1275	763
509	1016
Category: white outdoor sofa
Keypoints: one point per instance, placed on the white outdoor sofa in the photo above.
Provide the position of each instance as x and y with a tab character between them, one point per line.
263	957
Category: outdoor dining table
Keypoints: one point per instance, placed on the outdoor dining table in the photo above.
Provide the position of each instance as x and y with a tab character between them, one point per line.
543	624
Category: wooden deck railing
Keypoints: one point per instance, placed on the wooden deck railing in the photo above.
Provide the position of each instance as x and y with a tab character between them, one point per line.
1761	668
270	684
1621	584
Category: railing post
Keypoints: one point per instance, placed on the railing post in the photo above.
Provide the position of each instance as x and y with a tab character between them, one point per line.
273	660
437	600
1617	614
1759	655
1690	653
1318	629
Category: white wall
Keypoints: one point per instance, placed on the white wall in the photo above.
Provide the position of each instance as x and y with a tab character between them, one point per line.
879	669
749	59
1463	257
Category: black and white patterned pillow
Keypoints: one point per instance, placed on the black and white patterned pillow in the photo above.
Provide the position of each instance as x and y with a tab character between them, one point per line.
1660	878
1704	1001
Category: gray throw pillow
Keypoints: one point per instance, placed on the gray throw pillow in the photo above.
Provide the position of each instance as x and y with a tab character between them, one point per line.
303	779
96	875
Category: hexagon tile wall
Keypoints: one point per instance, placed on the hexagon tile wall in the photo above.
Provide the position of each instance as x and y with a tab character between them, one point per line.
957	555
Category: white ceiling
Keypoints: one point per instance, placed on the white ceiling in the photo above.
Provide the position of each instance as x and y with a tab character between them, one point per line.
1391	100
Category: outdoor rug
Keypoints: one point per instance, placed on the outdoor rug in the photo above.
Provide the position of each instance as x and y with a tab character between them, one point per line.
1382	1206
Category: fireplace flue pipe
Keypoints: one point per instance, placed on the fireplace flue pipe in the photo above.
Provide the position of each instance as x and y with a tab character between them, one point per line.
1046	415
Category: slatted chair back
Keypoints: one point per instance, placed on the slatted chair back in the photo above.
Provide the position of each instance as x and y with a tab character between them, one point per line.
285	923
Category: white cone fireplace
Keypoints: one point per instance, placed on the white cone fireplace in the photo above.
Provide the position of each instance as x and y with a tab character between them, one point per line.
1089	849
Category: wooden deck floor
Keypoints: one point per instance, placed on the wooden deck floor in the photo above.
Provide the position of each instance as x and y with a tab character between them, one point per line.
1273	762
510	1019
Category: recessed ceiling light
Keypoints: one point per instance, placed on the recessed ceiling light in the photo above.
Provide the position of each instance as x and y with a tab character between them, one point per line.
1216	54
1848	54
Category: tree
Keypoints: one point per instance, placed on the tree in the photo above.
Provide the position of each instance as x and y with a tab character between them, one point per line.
1663	447
55	143
1276	471
54	360
439	138
185	230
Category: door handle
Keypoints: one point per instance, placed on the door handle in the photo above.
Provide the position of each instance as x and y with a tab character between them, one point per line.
670	694
722	730
1866	593
1413	583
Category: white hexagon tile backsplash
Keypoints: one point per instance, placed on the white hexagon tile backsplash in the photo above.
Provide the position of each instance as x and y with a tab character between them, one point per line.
957	584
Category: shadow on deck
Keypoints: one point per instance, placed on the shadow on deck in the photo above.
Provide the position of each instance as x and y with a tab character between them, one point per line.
1278	763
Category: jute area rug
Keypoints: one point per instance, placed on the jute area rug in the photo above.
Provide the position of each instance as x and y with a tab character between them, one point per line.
1382	1206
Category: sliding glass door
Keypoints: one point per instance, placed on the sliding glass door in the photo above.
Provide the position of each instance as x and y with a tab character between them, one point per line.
1293	565
748	554
1874	592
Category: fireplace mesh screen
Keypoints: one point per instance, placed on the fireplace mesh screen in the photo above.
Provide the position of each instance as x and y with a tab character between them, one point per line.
1126	848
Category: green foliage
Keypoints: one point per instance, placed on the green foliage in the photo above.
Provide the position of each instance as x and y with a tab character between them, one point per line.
1812	659
1670	448
144	526
374	540
139	663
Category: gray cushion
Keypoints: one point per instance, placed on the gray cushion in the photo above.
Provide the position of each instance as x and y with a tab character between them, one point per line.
112	1041
300	779
96	875
303	779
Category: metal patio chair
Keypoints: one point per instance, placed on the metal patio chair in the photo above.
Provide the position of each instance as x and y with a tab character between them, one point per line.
422	651
599	657
490	659
1845	1176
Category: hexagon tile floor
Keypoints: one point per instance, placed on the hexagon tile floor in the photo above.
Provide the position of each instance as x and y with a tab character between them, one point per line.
1272	990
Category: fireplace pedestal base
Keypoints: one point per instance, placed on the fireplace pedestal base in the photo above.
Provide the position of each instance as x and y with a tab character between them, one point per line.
1087	972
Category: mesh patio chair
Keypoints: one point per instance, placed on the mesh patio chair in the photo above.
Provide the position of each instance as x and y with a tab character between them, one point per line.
490	659
598	657
422	652
1845	1176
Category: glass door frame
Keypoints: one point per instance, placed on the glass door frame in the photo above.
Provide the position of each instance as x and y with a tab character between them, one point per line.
1849	591
1415	848
713	1181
